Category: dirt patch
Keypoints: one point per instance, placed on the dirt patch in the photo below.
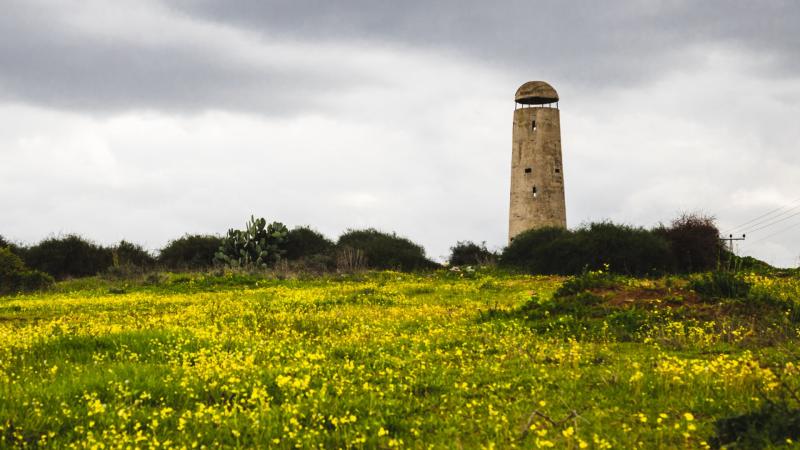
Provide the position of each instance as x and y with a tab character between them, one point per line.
623	297
19	319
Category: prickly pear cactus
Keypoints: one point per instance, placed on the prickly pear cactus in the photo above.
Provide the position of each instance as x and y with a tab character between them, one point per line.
258	245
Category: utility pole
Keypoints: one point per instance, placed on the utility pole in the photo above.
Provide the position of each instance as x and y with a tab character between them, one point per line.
730	240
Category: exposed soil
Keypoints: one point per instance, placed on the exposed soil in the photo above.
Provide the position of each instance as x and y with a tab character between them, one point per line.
627	296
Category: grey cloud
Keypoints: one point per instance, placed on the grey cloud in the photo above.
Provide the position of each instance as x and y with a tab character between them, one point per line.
47	63
594	45
584	42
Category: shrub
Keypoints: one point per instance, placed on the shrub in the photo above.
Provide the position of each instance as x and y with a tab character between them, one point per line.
730	261
721	284
539	251
129	254
592	279
258	245
579	305
10	265
15	277
15	249
695	243
625	249
775	423
190	252
313	264
68	256
33	280
303	242
467	253
385	251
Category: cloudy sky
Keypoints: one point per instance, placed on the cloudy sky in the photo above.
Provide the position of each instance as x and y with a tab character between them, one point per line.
147	119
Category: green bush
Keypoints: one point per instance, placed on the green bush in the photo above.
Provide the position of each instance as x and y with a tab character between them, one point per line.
385	251
721	284
33	280
592	279
190	252
15	277
543	250
579	305
130	254
694	240
313	264
730	261
68	256
468	253
304	242
625	249
10	265
15	249
773	424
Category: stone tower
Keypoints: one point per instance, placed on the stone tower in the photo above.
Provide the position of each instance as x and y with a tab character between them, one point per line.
537	176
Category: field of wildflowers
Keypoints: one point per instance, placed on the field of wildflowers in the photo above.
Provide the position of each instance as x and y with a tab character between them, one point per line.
391	360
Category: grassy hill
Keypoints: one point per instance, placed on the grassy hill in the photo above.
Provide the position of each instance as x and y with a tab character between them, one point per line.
451	359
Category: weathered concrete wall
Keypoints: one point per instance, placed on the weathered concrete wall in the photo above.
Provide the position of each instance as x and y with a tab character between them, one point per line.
536	163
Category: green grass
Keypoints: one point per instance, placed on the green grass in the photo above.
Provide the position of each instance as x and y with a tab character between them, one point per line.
397	360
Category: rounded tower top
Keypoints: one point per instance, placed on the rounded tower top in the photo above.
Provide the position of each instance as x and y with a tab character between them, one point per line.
536	93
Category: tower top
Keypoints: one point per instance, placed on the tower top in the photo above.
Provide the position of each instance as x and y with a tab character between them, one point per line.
536	93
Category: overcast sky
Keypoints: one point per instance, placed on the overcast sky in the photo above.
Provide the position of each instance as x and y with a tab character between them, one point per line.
147	119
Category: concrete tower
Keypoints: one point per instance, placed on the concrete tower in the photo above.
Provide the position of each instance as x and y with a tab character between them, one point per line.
537	176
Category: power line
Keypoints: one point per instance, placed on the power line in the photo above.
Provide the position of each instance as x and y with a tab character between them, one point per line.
782	230
775	222
768	213
772	218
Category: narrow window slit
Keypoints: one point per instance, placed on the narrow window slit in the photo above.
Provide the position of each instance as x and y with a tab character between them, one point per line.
528	170
534	192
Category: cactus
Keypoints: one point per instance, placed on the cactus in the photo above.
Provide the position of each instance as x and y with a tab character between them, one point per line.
258	245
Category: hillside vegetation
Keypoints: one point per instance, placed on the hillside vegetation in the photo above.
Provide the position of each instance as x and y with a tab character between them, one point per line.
448	359
689	244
